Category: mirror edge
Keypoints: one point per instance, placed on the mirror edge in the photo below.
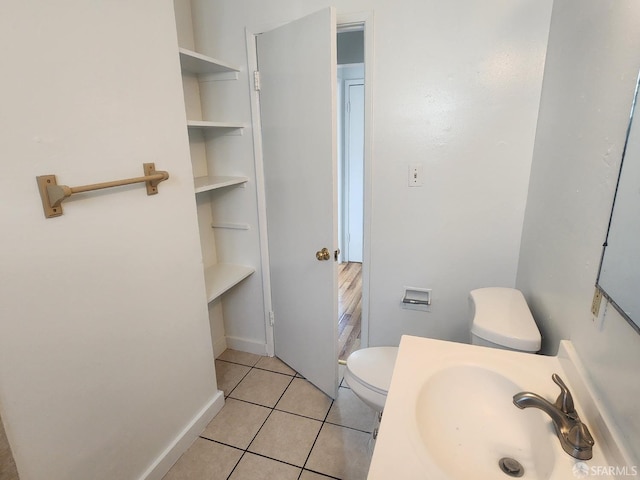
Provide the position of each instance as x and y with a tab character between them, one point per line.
610	300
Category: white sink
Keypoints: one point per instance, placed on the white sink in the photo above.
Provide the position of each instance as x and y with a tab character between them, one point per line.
450	415
467	412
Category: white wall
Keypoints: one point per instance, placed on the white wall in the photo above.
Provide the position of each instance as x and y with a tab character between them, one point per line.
590	76
105	357
456	87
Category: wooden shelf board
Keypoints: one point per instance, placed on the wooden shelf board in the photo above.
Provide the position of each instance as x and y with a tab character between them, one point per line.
221	277
205	184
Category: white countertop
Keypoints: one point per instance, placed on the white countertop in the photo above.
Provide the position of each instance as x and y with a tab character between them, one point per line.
401	450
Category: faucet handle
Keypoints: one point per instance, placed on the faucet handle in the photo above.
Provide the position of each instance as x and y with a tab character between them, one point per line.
580	436
564	401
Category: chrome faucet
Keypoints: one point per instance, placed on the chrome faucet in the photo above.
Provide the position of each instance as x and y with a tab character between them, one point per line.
574	435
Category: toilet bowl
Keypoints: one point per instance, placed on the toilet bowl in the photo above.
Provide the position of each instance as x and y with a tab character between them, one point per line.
500	318
368	374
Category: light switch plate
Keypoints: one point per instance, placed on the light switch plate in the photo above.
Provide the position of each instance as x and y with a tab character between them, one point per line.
415	175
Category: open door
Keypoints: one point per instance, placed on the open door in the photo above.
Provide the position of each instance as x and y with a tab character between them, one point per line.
297	64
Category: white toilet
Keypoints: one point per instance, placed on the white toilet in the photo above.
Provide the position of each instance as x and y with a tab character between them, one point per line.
500	319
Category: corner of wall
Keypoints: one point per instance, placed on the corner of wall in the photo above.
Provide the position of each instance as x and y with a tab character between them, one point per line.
8	469
184	439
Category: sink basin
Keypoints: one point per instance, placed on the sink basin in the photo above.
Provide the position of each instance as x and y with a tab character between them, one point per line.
467	422
449	415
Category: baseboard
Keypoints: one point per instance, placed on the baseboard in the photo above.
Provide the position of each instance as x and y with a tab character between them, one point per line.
219	346
244	345
183	441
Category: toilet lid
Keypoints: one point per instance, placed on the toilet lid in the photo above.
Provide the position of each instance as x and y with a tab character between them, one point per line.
373	366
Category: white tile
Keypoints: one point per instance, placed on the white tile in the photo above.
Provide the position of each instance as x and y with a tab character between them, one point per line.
205	459
236	356
286	437
237	423
349	411
274	364
340	452
254	467
228	375
307	475
303	398
261	387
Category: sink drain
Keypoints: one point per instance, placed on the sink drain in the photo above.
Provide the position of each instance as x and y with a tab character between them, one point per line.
511	467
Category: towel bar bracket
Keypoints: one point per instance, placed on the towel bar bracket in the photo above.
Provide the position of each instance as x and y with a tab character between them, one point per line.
52	194
45	181
152	185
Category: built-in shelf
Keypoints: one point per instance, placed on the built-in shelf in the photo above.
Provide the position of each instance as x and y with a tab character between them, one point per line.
204	184
195	62
205	125
231	225
221	277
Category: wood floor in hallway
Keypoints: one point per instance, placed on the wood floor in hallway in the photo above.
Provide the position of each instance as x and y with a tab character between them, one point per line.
349	308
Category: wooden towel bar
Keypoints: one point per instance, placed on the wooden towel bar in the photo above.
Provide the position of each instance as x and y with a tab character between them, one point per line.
53	194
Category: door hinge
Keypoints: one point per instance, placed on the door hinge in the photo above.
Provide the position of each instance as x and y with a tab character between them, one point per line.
272	318
256	81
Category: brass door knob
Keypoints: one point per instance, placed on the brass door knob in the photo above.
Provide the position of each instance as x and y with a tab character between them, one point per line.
323	254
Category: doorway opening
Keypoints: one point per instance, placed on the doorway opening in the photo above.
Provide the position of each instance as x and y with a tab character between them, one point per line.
351	137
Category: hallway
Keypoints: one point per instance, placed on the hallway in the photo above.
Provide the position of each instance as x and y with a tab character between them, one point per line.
349	308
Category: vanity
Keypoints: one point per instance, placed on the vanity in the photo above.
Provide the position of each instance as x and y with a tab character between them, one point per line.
450	415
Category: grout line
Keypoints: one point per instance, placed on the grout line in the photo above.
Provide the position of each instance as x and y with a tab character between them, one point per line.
300	415
282	394
273	371
251	403
274	459
235	363
236	465
246	450
350	428
318	473
221	443
318	435
243	377
264	456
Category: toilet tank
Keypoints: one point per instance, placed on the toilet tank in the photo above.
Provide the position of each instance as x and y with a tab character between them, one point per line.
500	318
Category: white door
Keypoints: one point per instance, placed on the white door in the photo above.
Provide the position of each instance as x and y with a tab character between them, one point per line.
355	168
297	64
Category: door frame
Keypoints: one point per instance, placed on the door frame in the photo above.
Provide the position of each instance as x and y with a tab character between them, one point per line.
343	20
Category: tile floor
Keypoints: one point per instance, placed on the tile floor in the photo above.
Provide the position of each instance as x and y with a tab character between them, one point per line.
275	425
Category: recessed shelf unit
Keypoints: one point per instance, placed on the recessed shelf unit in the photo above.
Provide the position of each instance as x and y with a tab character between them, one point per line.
221	277
206	184
200	72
